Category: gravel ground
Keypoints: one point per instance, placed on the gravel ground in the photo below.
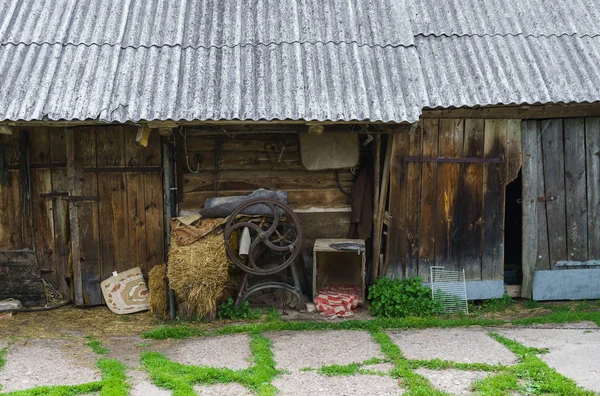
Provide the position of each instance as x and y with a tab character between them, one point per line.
311	383
296	350
457	345
56	362
456	382
224	351
575	353
222	390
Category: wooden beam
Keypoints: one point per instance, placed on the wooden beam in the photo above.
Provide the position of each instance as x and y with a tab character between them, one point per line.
74	172
379	215
518	112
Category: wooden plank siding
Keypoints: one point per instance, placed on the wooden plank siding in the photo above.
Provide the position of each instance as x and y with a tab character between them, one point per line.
453	210
239	163
562	184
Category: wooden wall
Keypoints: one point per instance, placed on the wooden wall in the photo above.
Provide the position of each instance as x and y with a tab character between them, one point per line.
447	189
561	193
118	204
237	162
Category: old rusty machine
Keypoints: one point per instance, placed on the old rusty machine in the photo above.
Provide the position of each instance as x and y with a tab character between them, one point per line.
274	234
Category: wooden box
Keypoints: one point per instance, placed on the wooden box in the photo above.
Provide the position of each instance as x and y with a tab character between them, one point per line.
338	267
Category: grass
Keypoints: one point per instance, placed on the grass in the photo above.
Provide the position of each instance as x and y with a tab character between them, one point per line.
181	378
530	376
113	383
2	361
438	364
493	305
96	346
349	369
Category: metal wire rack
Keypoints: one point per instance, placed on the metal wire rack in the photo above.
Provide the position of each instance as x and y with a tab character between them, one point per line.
450	289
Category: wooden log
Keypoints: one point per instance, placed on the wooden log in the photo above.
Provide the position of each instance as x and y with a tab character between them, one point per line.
428	198
492	265
592	147
576	189
531	162
471	202
554	179
378	224
451	133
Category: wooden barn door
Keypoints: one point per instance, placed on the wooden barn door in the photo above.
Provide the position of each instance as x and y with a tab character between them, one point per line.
116	208
561	193
447	189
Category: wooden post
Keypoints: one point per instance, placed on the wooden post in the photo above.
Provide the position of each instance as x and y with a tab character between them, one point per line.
531	141
74	171
378	224
376	185
167	165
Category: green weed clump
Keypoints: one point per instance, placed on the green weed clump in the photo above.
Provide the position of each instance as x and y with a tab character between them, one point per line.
493	305
393	298
228	310
96	346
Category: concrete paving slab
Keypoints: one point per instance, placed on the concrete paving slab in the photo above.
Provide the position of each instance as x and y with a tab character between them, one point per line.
296	350
311	383
232	351
575	353
141	385
222	390
457	345
382	367
31	363
456	382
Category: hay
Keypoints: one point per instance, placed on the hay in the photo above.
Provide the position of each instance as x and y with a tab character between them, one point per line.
158	289
198	273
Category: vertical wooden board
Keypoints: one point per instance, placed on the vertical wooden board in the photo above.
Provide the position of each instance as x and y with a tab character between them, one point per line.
576	189
494	191
60	211
43	220
554	179
592	155
113	221
471	201
136	214
413	212
88	217
397	204
428	198
451	133
40	145
531	162
153	204
514	155
542	258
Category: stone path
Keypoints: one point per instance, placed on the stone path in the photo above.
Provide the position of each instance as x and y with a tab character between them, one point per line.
574	353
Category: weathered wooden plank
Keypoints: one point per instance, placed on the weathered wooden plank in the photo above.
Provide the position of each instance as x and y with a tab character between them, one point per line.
153	204
113	218
592	146
413	213
576	189
542	258
379	215
288	143
281	180
74	169
428	198
40	146
514	155
243	160
554	179
135	210
471	202
397	241
298	198
494	185
553	110
448	211
43	220
168	182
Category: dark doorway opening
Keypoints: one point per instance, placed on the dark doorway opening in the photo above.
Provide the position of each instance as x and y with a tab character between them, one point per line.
513	232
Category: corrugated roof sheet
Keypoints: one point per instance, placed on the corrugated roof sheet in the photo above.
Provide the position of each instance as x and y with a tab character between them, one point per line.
505	17
488	70
287	81
206	23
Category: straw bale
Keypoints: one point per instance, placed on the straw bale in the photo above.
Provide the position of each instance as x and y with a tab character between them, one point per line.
158	289
199	273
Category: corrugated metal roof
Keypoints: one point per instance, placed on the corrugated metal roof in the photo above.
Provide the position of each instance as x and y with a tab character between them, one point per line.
205	23
286	81
505	17
488	70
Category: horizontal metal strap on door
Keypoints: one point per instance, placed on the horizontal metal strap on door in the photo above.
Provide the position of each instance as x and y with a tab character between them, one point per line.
54	195
82	198
468	160
133	169
549	198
